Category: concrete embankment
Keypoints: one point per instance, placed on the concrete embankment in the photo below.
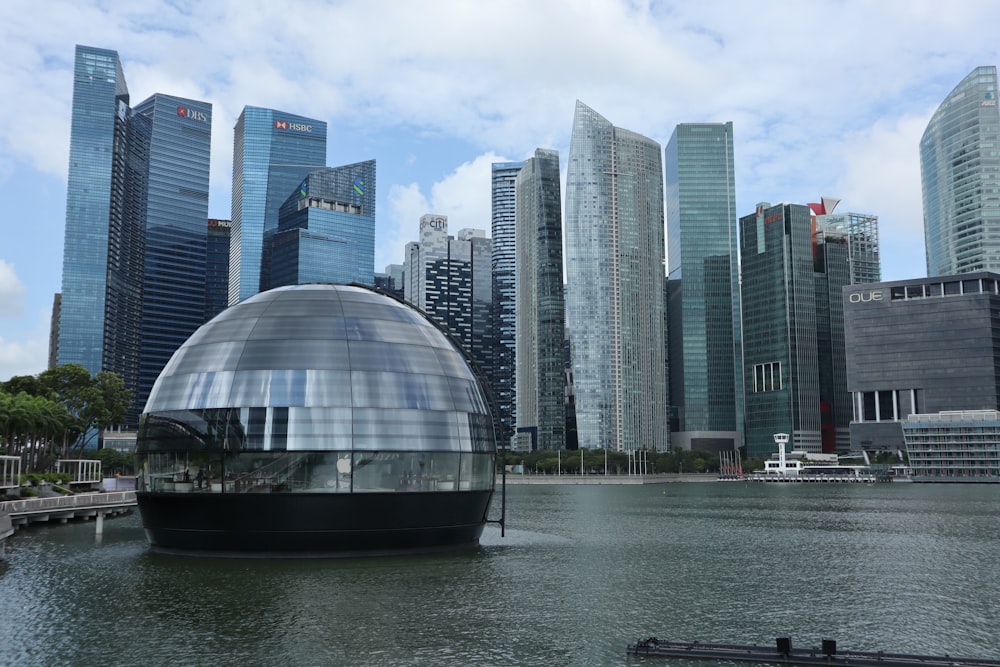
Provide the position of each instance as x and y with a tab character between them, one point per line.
519	479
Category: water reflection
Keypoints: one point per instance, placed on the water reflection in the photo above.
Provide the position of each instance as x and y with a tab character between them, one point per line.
581	572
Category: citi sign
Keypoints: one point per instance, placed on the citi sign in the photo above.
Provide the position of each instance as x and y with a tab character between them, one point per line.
865	297
285	125
194	114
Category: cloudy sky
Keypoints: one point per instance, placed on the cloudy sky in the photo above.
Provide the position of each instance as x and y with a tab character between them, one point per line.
827	97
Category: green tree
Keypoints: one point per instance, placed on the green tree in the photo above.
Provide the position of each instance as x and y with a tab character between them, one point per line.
94	403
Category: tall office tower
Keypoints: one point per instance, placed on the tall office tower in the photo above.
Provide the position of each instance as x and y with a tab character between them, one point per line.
615	305
960	174
504	384
780	345
217	268
703	293
326	230
103	263
272	152
173	286
137	201
541	321
449	279
795	269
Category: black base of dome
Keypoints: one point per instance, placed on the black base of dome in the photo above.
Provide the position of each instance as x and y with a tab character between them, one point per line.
312	524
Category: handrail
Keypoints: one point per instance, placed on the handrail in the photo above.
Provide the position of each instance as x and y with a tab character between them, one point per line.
30	505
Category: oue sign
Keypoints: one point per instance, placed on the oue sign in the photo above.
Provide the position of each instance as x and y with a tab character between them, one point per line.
865	297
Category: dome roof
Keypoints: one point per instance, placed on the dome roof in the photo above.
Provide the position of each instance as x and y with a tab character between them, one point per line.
356	370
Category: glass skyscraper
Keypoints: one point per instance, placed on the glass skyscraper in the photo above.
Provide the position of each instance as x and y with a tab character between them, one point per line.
960	174
217	268
705	356
101	304
326	230
615	299
503	382
540	331
136	205
272	152
173	299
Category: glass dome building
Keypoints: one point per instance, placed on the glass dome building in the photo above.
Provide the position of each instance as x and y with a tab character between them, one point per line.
316	419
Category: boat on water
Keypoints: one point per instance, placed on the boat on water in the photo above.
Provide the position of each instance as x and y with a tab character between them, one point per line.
782	652
802	466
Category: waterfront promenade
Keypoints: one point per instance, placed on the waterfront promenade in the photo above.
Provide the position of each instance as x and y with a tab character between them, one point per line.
665	478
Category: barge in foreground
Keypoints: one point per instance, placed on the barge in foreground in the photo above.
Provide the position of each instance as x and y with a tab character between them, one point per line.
783	653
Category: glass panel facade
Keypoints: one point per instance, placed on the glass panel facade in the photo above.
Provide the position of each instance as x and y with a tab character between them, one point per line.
266	412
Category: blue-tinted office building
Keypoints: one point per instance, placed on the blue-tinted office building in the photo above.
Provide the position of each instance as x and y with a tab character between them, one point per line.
101	302
173	288
137	200
326	230
960	178
272	152
705	354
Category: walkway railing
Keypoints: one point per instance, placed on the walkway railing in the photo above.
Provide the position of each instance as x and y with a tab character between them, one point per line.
82	501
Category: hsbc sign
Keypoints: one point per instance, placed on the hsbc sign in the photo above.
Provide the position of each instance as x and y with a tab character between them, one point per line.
865	297
194	114
298	127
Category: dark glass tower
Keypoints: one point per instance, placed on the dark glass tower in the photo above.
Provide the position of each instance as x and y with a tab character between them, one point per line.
326	230
706	379
960	174
136	205
176	233
101	304
217	268
504	302
541	320
272	152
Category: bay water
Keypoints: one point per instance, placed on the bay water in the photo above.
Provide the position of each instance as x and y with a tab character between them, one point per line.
582	572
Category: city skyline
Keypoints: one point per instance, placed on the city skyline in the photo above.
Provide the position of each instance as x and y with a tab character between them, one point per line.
433	103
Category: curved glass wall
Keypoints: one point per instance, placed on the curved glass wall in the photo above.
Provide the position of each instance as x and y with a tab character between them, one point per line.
316	389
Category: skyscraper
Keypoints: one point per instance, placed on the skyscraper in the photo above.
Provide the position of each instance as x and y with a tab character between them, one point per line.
101	304
136	205
795	269
540	331
960	174
326	230
705	356
173	286
217	268
449	279
503	381
615	298
272	152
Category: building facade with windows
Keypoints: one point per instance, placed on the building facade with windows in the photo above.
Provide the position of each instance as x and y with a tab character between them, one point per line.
176	239
540	322
504	266
449	279
217	268
794	270
907	356
704	340
136	205
616	300
960	175
272	152
101	304
954	446
326	230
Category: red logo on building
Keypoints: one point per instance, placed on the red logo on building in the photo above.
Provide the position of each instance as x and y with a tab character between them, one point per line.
281	124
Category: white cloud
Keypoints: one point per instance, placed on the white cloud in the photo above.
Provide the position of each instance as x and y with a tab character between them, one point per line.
464	195
11	291
27	354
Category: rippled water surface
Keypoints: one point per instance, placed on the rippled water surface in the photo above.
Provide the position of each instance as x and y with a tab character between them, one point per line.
582	572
